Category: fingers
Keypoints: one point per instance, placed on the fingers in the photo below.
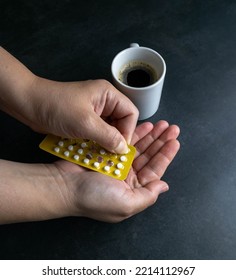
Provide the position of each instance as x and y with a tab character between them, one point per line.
122	111
126	125
157	165
141	131
155	133
106	135
148	146
155	151
99	112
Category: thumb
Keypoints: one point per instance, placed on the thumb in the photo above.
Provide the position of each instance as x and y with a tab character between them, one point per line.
107	136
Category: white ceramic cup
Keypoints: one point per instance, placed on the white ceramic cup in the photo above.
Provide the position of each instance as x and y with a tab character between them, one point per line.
146	99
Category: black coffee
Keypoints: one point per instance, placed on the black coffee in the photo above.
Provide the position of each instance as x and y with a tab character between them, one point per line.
137	74
138	78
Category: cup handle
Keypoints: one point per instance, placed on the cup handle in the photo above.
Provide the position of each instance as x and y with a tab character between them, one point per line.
134	45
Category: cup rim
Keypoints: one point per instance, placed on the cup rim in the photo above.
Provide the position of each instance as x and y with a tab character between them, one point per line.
139	88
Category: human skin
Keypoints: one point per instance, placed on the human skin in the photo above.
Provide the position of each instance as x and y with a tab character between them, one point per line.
91	109
34	192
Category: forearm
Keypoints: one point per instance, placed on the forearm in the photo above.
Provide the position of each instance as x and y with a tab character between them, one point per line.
25	96
15	84
31	192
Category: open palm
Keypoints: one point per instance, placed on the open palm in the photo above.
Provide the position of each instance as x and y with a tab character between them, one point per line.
104	198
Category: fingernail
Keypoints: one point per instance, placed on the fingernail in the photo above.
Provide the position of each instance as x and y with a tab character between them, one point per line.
164	188
122	148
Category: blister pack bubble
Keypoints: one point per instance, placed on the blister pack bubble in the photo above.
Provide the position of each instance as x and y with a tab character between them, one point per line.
90	154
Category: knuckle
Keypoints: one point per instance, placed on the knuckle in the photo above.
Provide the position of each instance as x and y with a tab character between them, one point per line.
103	83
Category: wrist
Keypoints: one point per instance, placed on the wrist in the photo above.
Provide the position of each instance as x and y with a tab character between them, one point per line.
32	192
44	108
15	79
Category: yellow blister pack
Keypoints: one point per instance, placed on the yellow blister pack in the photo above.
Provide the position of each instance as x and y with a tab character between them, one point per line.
89	154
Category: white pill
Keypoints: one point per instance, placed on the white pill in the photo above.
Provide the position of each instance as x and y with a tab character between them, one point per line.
128	150
61	143
83	145
96	164
66	153
76	157
120	165
86	161
70	148
102	152
117	172
80	151
57	149
123	158
107	168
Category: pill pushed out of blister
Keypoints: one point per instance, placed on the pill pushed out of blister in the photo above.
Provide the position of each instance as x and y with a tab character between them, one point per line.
89	154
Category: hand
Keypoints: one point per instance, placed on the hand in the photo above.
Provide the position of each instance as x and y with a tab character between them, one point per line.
91	109
61	189
100	197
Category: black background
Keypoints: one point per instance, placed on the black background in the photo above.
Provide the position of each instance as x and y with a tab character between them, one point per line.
77	40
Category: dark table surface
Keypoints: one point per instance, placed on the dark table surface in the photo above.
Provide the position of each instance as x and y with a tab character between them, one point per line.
76	40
